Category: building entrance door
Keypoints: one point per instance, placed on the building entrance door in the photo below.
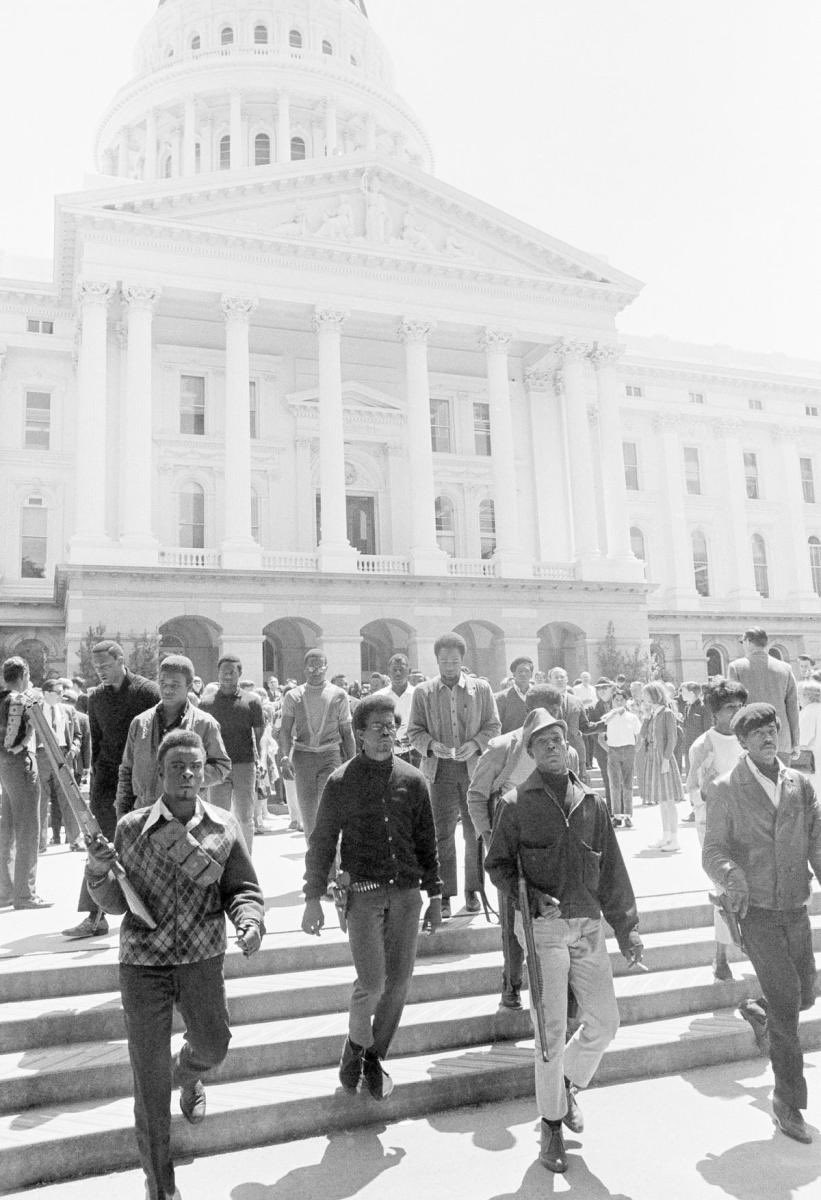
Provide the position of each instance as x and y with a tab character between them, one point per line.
361	522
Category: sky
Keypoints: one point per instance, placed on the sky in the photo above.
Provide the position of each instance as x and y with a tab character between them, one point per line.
677	138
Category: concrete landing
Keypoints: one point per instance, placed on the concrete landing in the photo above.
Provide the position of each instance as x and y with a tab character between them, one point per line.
703	1135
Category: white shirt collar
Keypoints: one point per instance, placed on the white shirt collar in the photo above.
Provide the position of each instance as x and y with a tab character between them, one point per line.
773	790
160	810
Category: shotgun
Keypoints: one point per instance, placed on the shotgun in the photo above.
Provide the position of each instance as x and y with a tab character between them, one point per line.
534	978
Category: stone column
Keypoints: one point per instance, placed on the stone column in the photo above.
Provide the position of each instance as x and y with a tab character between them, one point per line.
330	128
150	163
511	560
136	530
801	594
89	542
571	358
425	555
239	550
734	520
189	136
370	131
551	492
284	128
207	145
335	551
122	154
682	591
238	157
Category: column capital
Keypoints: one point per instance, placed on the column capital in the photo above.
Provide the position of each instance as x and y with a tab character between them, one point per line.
572	350
495	341
94	292
327	318
238	308
538	380
139	296
605	355
411	329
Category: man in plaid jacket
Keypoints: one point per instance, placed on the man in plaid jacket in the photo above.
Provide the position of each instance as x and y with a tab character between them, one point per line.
188	862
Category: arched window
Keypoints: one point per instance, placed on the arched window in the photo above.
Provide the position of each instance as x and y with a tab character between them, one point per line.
815	563
262	150
762	582
260	35
225	152
637	543
445	525
295	39
487	528
701	566
167	166
192	516
33	538
715	662
227	36
327	48
297	149
196	42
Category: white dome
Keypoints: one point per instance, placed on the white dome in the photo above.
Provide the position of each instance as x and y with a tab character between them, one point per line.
233	84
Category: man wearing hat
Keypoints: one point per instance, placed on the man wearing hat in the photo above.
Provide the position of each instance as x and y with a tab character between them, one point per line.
769	681
595	743
561	834
763	830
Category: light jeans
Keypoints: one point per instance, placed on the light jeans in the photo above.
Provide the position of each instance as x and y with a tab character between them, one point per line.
237	795
571	951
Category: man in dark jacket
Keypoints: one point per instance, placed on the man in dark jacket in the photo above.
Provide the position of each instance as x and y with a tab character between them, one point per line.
561	836
381	806
763	830
510	704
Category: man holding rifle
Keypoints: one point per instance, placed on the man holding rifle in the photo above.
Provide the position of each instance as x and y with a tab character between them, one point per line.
557	837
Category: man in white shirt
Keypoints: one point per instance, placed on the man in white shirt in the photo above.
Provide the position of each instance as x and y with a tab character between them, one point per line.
623	728
402	691
67	735
584	690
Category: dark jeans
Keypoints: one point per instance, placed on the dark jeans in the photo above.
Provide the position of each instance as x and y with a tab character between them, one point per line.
448	797
51	794
511	948
779	945
149	995
19	825
383	927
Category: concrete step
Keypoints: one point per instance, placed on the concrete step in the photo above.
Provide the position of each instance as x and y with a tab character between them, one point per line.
90	1137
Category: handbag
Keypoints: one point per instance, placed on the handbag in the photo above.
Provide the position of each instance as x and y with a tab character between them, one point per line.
804	761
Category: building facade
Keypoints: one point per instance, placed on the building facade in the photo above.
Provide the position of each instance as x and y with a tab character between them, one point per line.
288	389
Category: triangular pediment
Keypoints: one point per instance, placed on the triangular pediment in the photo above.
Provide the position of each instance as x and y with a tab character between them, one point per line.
354	395
358	205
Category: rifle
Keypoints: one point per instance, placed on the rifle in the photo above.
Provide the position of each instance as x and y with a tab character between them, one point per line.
534	979
729	918
85	818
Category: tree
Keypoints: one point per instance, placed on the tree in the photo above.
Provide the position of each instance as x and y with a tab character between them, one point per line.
84	653
614	661
144	658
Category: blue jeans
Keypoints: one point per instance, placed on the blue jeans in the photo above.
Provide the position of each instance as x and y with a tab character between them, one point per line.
779	945
149	995
383	927
19	825
448	797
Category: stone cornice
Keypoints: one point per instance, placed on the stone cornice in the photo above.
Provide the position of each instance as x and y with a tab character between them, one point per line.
737	378
722	423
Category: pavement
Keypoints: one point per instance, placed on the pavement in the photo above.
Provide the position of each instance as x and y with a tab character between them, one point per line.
704	1133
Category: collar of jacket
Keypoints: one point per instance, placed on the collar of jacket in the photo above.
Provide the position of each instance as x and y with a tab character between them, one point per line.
468	682
753	789
535	783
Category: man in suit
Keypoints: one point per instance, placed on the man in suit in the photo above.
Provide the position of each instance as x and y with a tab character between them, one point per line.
510	703
574	716
67	734
453	717
769	681
763	831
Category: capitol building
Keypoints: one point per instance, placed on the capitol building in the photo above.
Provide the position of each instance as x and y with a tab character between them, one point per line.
288	389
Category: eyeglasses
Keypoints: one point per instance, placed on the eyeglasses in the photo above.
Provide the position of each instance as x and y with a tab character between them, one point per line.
381	727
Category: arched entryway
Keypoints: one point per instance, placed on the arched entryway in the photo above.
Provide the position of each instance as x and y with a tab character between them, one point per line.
563	645
198	638
37	654
486	649
381	639
287	640
716	660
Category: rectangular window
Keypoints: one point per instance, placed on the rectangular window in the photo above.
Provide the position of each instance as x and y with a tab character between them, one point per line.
807	481
692	471
33	524
481	429
34	326
38	420
192	518
755	404
631	466
751	475
254	408
633	392
810	410
441	429
696	397
192	404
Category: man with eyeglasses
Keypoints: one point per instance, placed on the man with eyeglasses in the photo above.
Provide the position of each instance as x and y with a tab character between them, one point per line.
381	807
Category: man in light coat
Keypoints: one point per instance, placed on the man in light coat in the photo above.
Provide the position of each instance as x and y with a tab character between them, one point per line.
769	681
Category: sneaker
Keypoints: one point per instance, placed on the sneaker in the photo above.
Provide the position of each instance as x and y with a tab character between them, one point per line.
94	925
553	1154
350	1065
377	1080
670	848
192	1102
790	1121
573	1118
627	823
33	902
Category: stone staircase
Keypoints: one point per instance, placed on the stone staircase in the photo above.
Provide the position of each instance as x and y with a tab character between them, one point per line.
65	1083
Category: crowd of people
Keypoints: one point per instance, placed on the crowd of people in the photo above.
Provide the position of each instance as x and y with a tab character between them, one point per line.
540	775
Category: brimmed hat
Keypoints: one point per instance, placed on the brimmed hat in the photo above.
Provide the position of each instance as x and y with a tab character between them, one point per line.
537	720
604	682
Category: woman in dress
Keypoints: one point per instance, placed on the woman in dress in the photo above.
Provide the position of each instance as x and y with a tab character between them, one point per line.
661	783
809	726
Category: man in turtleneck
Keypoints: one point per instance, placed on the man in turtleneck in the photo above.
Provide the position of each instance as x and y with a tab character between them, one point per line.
381	807
316	727
561	837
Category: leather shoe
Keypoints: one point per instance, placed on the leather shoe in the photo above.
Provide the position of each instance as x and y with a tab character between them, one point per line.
553	1154
6	901
512	998
34	902
472	902
790	1121
94	925
573	1118
377	1080
350	1065
192	1102
446	908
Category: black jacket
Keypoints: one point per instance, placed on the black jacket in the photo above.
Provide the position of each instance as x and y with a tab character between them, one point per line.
576	859
384	815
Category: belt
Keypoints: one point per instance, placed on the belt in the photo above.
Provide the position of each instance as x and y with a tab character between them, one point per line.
365	885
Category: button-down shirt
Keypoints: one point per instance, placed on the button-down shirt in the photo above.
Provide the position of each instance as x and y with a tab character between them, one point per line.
403	708
773	790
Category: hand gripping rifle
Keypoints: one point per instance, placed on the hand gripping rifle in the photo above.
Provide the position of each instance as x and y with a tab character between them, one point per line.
83	815
534	978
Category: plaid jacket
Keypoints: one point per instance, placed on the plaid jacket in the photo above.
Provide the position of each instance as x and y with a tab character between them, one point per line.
190	919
